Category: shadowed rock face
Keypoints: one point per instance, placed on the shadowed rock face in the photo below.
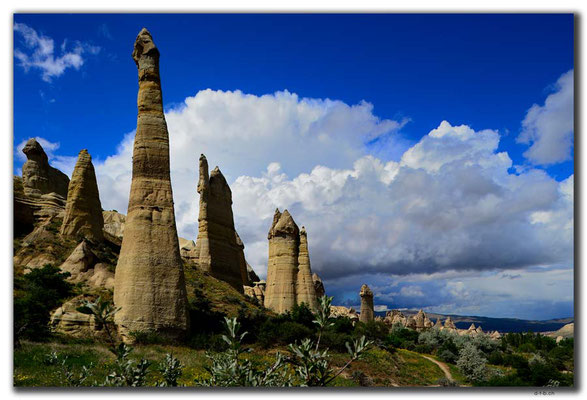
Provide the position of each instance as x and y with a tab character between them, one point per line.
83	211
305	291
282	268
318	286
217	248
367	311
38	177
149	282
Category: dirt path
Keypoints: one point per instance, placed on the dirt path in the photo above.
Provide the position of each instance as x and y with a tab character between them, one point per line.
442	366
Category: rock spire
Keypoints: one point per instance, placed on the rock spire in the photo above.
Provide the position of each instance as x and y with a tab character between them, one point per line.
305	291
217	247
367	310
83	210
149	282
38	177
282	268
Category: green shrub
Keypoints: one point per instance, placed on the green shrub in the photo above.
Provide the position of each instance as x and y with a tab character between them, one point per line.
148	337
36	294
448	356
472	364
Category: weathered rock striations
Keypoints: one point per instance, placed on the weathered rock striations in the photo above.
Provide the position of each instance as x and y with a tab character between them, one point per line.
282	268
217	249
38	176
305	291
367	311
83	211
149	281
318	286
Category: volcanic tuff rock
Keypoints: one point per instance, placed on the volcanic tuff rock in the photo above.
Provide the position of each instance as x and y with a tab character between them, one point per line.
341	311
83	211
318	285
114	223
217	250
305	291
38	176
367	311
149	282
83	266
438	324
289	275
448	324
67	320
282	267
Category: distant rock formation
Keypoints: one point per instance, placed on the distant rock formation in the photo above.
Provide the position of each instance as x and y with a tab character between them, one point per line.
367	311
394	317
282	268
305	291
411	323
341	311
149	283
448	324
495	335
217	250
83	211
318	285
438	324
38	176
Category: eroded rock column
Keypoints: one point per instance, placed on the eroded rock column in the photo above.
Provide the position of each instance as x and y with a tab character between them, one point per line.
305	291
149	283
217	248
282	268
367	311
83	210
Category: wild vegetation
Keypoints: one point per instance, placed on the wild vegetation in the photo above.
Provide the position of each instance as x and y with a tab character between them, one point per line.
240	344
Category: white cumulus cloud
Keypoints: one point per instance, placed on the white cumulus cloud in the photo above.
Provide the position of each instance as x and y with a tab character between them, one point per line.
549	128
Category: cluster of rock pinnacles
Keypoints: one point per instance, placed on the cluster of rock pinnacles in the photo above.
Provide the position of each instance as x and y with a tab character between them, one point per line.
148	283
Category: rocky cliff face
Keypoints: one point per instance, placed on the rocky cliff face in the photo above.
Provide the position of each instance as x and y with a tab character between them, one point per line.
305	291
38	176
217	250
83	211
149	283
367	311
282	268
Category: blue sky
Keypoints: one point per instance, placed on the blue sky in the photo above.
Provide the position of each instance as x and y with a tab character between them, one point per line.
373	88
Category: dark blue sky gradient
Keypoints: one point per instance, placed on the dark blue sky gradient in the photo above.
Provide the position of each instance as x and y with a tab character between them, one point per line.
481	70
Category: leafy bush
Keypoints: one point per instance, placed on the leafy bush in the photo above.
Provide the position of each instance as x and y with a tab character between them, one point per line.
472	364
448	356
36	294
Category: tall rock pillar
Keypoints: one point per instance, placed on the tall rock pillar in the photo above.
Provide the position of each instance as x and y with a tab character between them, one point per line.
282	268
305	291
217	247
149	283
367	311
83	211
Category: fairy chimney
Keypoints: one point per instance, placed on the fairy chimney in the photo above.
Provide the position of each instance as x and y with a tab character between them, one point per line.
149	282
